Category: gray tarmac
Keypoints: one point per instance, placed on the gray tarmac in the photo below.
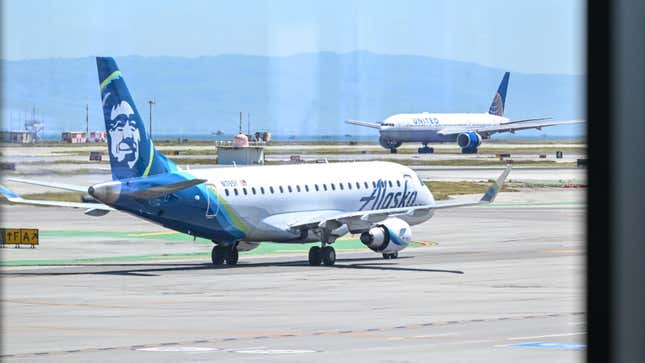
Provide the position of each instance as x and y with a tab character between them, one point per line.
63	149
64	161
498	283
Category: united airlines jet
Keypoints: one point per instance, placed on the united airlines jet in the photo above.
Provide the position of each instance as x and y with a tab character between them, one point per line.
239	207
466	129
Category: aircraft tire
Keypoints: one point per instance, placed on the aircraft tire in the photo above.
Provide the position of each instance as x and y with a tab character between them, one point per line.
218	255
315	256
232	256
328	256
390	256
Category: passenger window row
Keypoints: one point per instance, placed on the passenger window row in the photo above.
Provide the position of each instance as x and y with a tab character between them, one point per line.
306	188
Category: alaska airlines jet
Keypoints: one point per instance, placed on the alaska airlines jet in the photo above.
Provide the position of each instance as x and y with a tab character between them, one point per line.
467	129
239	207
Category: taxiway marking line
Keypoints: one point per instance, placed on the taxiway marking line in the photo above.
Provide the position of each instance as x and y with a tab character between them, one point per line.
561	251
548	336
148	234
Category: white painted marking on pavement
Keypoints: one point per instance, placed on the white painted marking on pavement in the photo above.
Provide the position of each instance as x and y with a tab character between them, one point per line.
179	349
549	336
274	351
434	335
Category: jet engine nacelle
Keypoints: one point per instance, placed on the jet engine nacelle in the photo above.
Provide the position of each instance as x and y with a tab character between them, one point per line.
468	140
392	235
388	143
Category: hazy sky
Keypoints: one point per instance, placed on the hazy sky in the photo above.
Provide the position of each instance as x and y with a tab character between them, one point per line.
542	36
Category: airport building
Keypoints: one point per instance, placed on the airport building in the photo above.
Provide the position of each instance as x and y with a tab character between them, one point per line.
17	137
98	136
240	152
74	137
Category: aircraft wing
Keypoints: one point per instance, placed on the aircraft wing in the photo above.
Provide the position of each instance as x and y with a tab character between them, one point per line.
93	209
75	188
363	220
284	221
524	125
373	125
511	126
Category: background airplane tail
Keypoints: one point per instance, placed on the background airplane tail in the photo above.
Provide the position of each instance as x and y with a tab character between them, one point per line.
497	107
132	153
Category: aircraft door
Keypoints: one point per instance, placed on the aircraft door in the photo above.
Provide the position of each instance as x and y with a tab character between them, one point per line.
212	204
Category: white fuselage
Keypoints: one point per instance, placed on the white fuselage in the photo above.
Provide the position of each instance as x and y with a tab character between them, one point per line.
424	127
262	196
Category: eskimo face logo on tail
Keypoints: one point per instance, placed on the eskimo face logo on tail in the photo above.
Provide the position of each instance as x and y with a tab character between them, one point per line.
124	134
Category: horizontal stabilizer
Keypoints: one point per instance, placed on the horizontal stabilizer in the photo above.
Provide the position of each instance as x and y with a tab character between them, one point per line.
161	190
63	186
15	198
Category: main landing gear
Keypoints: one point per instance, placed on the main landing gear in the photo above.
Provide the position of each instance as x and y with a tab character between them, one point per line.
391	256
228	254
326	255
425	149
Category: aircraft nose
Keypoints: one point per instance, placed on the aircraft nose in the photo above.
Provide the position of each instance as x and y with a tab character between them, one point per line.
107	193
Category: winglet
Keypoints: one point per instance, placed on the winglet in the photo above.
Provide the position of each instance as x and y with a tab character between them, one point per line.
497	185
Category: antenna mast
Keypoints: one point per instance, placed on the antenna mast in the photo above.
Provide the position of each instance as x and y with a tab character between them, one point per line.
87	123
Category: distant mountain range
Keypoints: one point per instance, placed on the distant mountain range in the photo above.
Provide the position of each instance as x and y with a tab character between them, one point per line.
306	94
